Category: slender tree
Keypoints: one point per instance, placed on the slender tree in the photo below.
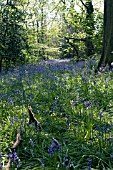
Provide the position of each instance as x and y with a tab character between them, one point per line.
89	26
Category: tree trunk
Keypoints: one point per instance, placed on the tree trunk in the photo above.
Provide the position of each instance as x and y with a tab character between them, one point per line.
89	29
107	52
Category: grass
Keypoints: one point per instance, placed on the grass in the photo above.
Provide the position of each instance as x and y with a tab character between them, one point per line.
75	110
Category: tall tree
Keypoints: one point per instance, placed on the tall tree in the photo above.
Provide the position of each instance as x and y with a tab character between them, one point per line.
107	52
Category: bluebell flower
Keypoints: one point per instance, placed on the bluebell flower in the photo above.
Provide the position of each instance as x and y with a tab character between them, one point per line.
55	141
83	79
100	114
1	166
111	155
54	147
42	164
22	121
75	132
51	149
10	100
31	142
71	165
14	155
24	115
0	154
38	123
89	162
16	119
65	162
3	125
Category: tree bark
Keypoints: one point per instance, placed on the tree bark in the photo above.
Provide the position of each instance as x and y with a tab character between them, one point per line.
107	52
89	24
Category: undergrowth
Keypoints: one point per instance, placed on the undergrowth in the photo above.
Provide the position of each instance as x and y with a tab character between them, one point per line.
75	110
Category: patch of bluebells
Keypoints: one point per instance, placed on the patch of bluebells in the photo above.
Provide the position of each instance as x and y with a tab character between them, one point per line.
67	164
26	71
54	147
14	158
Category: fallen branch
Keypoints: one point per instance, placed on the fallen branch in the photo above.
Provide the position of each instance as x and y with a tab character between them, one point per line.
15	145
18	139
32	118
8	165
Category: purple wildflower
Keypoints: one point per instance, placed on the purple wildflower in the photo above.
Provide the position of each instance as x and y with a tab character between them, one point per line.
1	166
100	114
14	155
89	164
71	166
24	115
111	155
0	154
38	123
42	164
15	119
54	147
3	125
10	100
55	141
31	142
65	161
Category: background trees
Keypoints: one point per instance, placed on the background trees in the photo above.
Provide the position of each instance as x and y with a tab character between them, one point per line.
13	37
83	30
66	29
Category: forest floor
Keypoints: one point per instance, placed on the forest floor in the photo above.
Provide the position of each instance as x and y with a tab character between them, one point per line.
74	111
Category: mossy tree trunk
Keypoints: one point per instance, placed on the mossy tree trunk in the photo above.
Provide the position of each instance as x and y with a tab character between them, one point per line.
107	52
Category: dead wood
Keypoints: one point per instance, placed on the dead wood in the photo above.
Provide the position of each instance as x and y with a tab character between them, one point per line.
15	145
32	118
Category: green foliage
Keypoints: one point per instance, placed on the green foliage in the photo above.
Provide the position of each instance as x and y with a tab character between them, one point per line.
84	33
13	38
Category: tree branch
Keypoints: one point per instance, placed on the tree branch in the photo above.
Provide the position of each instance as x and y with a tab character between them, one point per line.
73	46
76	39
83	4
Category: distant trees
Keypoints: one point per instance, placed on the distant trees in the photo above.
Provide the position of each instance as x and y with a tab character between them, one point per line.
107	52
50	28
13	36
